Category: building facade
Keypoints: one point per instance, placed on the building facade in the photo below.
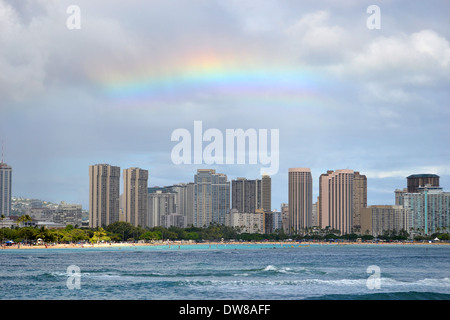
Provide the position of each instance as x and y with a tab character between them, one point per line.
173	220
247	222
336	200
421	180
211	198
285	217
300	199
184	202
359	199
251	195
379	219
135	196
428	210
246	195
5	189
266	193
104	185
160	203
277	221
399	196
68	214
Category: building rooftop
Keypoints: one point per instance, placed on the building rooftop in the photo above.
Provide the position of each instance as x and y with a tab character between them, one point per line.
423	175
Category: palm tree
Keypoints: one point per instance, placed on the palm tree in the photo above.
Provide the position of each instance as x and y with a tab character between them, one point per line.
24	218
100	234
42	233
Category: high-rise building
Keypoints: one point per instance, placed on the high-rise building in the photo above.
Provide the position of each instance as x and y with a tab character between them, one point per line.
211	198
359	199
399	196
184	201
336	200
285	217
314	214
277	221
104	185
160	203
428	210
421	180
300	199
266	193
5	189
135	196
246	195
250	195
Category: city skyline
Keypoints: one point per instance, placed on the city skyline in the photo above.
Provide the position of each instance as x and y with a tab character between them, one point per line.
122	189
212	199
341	94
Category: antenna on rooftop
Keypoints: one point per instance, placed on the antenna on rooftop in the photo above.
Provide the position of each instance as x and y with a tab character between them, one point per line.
2	151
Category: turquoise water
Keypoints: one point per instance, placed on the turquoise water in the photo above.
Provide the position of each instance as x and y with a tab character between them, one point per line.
231	271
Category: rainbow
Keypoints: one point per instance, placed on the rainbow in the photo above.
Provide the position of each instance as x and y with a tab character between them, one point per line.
210	76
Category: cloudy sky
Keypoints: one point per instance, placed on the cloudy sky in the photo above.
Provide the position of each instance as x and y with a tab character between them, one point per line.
342	95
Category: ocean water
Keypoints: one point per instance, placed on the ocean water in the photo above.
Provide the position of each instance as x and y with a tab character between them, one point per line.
228	272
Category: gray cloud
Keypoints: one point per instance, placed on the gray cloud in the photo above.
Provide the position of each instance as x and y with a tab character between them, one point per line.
378	98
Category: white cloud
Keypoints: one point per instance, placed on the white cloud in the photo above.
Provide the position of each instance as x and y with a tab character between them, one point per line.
316	40
421	58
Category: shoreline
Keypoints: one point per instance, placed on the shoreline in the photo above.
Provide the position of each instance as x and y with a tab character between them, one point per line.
211	244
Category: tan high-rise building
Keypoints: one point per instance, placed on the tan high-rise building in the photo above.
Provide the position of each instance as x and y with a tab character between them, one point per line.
300	199
359	199
104	185
336	200
135	196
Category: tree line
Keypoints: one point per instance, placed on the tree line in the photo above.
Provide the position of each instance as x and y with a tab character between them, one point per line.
124	231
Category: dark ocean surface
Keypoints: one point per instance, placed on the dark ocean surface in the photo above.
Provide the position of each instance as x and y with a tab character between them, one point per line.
228	272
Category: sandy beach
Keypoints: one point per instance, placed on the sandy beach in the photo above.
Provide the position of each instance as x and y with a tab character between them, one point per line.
212	244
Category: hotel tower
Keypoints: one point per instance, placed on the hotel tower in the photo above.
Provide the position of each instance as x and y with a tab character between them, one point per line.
135	196
5	189
211	198
300	199
104	184
336	200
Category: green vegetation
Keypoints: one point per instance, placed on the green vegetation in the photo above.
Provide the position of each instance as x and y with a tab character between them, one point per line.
123	231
